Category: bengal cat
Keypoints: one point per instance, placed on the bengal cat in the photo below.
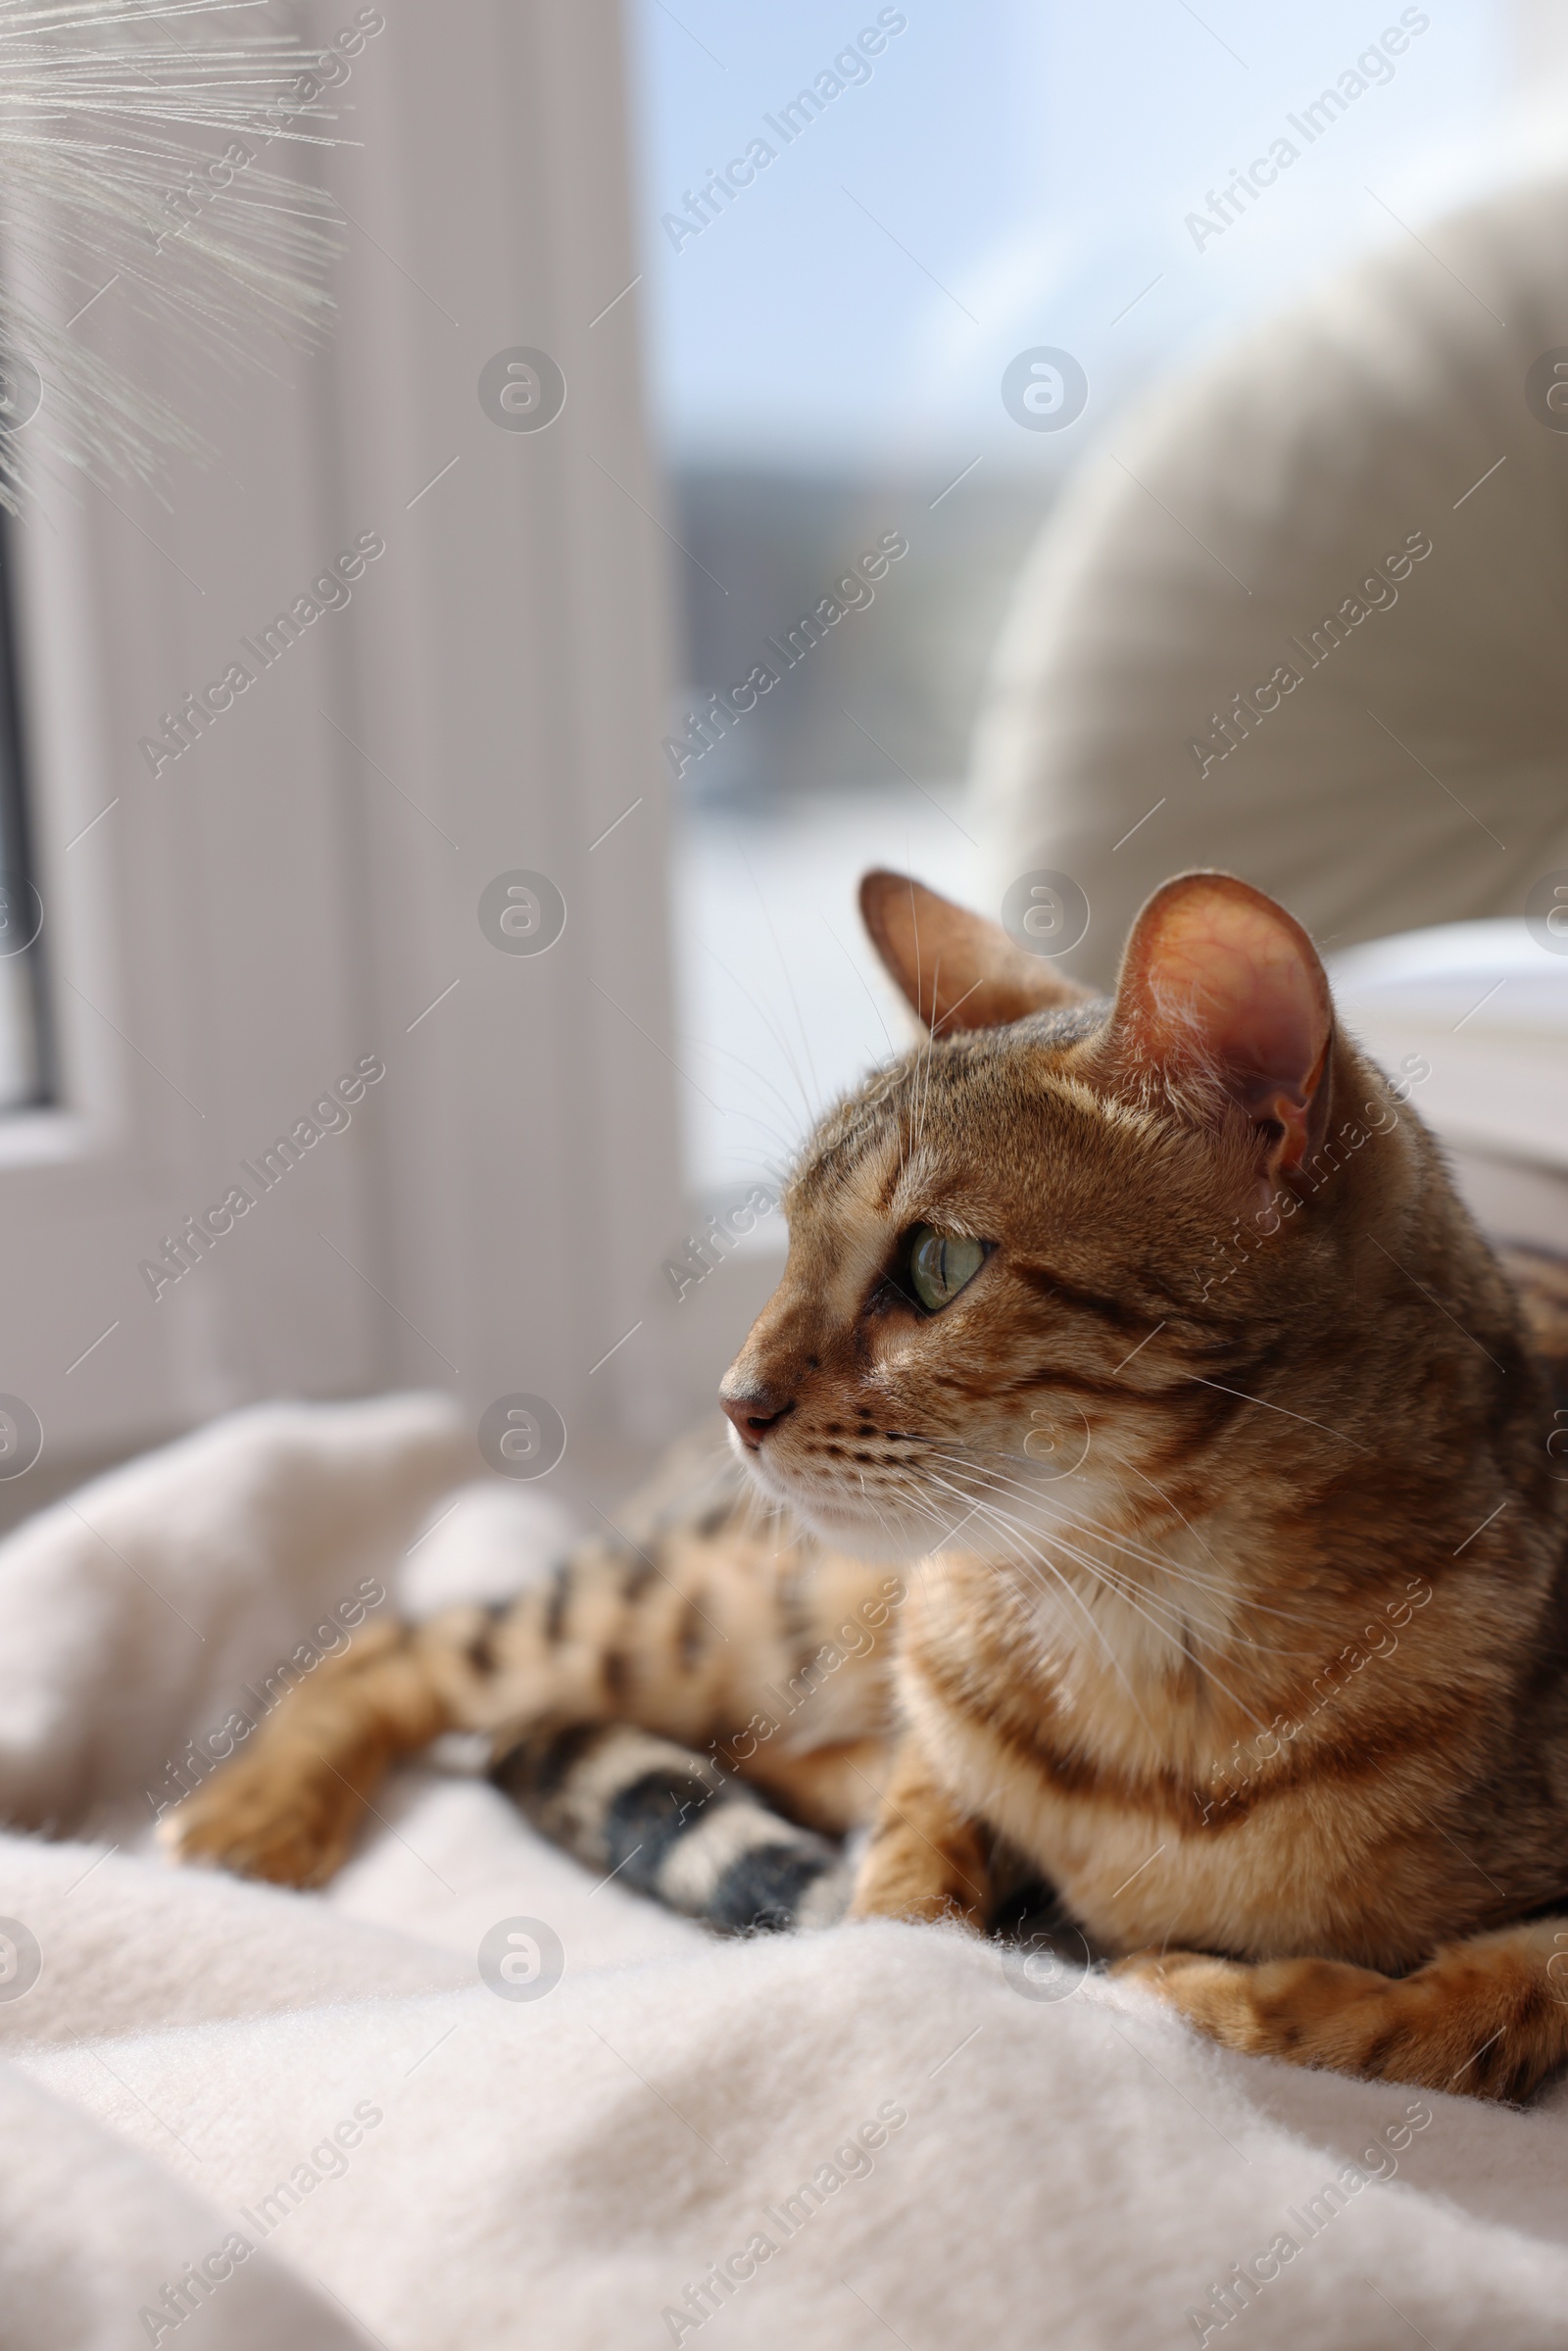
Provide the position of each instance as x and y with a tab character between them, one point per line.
1213	1450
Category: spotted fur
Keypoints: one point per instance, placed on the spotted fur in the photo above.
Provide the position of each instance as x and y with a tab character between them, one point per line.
1232	1501
695	1703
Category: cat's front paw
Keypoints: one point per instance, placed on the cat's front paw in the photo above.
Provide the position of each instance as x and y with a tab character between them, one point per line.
291	1828
1314	2012
899	1879
1212	1994
917	1906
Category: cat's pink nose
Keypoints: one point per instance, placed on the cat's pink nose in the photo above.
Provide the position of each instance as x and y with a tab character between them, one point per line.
754	1409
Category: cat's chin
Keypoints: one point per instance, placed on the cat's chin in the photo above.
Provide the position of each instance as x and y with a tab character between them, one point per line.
839	1523
860	1536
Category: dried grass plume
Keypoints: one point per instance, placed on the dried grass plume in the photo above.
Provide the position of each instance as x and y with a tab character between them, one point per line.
115	120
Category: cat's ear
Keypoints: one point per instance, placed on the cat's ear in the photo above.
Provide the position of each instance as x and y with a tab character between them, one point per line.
958	970
1222	991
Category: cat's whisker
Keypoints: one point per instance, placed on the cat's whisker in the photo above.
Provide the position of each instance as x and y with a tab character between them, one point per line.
926	1053
1034	1564
789	982
810	1108
785	1138
1139	1602
706	1047
930	1055
1016	1537
1140	1597
892	1049
1169	1504
1171	1624
1043	1499
1205	1587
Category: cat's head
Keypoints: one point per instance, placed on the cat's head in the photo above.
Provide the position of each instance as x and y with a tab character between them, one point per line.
1046	1249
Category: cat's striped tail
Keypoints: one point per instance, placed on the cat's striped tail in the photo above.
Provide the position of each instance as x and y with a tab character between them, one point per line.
667	1822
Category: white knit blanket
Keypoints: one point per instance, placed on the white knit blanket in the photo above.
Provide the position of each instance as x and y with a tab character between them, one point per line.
239	2118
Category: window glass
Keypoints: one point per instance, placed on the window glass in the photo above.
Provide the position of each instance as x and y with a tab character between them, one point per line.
854	221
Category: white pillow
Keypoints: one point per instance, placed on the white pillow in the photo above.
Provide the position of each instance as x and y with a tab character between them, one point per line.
1221	525
1474	1018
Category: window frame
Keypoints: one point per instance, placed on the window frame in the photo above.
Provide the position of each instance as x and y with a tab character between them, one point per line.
237	928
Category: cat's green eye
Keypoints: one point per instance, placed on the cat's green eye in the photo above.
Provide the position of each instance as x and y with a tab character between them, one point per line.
940	1264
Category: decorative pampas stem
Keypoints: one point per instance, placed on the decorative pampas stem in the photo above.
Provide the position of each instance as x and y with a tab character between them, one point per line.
116	120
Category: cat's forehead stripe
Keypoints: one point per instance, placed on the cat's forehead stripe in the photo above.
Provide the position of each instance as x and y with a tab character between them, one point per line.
897	1119
860	1222
869	1184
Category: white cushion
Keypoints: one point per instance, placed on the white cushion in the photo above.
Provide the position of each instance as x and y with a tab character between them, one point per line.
1234	511
1418	771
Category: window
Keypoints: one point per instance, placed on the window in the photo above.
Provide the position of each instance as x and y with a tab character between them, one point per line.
299	890
24	1032
854	221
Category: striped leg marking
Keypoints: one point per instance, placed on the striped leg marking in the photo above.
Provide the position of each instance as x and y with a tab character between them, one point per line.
1487	2018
